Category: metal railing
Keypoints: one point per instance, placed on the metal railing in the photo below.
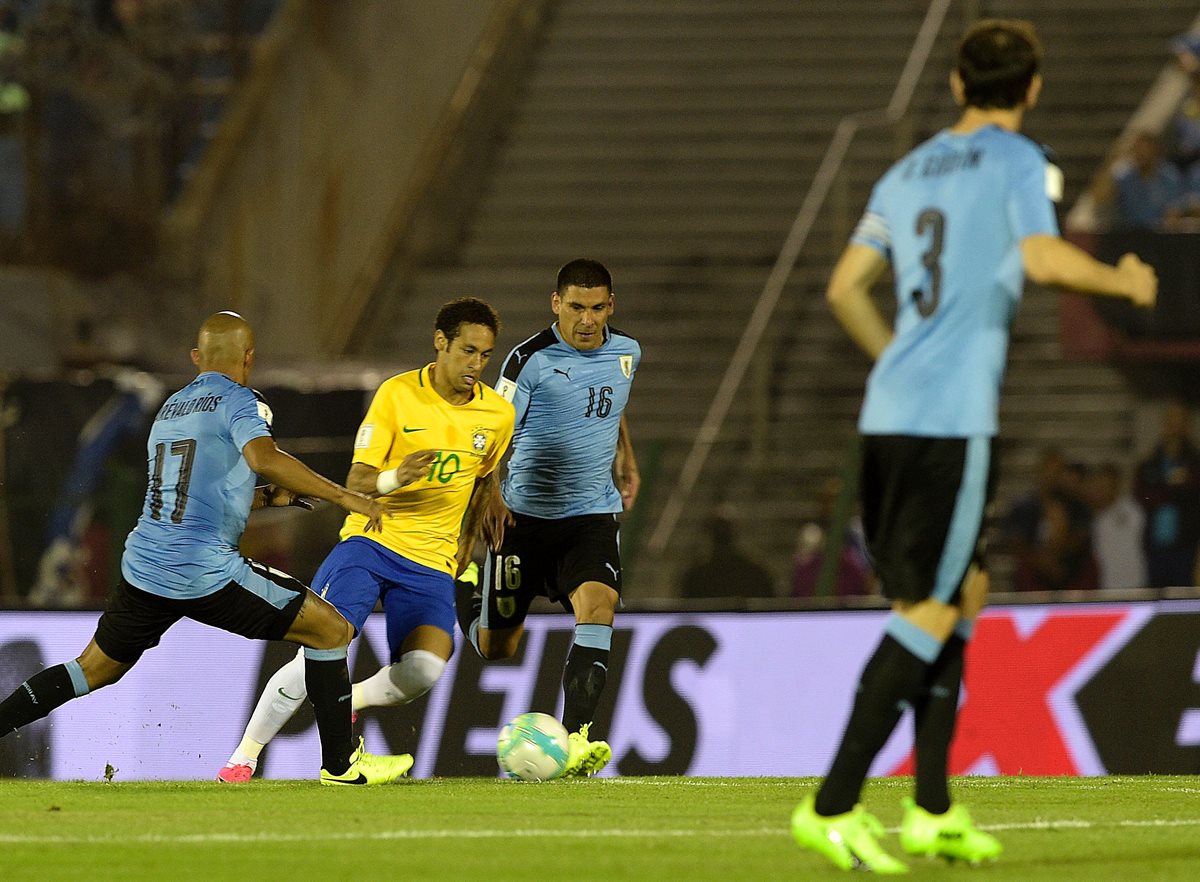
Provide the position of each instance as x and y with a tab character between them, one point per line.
785	263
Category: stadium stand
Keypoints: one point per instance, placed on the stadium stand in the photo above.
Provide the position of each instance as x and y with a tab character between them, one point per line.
682	163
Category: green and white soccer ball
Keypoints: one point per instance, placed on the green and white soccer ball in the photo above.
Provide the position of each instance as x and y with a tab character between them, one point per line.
533	747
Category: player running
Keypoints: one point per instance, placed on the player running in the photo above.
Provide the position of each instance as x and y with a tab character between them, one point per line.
553	524
426	447
961	219
181	560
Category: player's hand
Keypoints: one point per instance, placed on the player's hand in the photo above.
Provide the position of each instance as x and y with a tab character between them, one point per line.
366	506
628	483
275	496
1141	282
495	517
415	465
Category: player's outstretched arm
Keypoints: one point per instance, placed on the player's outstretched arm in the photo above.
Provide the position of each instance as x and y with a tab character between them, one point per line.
849	296
495	515
1050	260
625	469
370	481
284	470
481	500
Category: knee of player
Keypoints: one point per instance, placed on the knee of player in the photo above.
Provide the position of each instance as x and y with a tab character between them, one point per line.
494	648
595	602
345	632
99	676
417	671
335	633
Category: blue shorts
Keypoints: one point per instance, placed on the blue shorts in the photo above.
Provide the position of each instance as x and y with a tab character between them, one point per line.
359	572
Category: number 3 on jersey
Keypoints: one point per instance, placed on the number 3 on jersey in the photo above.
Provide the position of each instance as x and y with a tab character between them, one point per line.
934	222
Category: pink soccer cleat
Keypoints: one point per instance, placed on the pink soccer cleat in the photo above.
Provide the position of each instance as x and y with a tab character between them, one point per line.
235	774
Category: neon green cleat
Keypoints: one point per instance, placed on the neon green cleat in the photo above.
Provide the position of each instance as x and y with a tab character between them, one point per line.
470	575
847	840
369	768
952	836
585	758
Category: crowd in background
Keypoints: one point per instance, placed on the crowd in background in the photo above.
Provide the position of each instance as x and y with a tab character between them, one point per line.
1155	185
105	106
1082	528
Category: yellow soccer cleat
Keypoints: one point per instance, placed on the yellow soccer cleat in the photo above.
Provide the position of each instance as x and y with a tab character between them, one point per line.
369	768
585	758
846	840
952	836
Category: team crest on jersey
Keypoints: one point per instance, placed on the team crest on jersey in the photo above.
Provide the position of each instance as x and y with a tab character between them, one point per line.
626	365
479	441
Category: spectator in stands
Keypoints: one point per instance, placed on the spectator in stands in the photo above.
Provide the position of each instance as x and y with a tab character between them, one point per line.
1061	558
1168	487
161	35
1181	137
1186	49
1118	524
1049	530
853	573
1024	518
1149	192
727	571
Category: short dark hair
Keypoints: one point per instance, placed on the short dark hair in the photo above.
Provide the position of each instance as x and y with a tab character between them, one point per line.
466	311
997	60
583	273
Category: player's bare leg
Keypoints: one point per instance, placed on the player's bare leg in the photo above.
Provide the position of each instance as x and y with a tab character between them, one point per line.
98	669
500	643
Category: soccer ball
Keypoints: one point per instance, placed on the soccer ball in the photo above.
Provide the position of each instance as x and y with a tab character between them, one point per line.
533	747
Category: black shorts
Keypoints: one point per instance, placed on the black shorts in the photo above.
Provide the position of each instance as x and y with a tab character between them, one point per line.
923	504
548	558
135	620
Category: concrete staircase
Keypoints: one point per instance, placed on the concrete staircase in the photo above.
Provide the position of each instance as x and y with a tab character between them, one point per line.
674	141
1101	58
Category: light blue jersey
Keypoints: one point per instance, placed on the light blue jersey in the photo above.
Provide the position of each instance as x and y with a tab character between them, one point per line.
199	492
568	409
950	217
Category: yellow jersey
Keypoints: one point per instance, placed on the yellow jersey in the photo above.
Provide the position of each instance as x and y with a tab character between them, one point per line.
422	520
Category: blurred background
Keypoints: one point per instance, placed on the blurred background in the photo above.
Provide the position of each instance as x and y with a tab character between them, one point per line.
335	171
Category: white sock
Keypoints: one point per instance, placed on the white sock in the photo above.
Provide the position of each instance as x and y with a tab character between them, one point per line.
400	683
284	693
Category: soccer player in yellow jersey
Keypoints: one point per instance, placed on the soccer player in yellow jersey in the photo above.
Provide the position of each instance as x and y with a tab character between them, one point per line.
427	447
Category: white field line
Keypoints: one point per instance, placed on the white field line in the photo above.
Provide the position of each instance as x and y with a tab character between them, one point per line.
390	835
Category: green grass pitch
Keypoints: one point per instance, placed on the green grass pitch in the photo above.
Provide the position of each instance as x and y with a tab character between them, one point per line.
1129	828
